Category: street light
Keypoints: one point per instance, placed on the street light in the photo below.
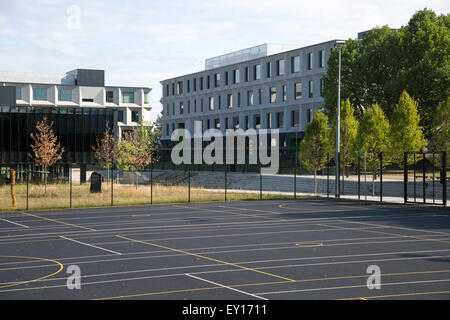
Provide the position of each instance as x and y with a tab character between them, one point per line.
339	44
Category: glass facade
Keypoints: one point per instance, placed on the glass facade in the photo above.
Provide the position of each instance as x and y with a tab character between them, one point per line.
64	95
127	97
39	94
77	130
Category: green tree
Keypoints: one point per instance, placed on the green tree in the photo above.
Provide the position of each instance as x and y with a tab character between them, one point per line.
406	133
386	62
440	132
348	133
315	145
136	148
373	138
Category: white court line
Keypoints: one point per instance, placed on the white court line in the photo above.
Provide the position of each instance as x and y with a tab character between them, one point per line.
357	286
90	245
21	225
226	287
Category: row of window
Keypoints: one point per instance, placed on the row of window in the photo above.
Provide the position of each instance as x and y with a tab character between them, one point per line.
40	94
253	72
233	122
214	102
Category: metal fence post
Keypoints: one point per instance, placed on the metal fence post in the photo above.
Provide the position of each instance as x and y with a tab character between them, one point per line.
295	177
189	183
151	183
444	176
112	184
405	177
260	184
328	175
225	170
414	170
71	181
423	178
28	179
381	176
359	175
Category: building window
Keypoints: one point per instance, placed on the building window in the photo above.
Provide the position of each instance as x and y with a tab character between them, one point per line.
269	120
211	103
298	91
247	74
246	123
280	67
295	64
201	105
168	110
167	130
283	87
181	108
310	60
64	95
235	123
229	100
280	119
321	87
257	72
167	90
269	69
39	94
236	76
311	89
87	100
216	80
194	84
238	99
146	98
217	123
309	115
259	96
257	121
127	97
134	116
208	82
250	97
295	118
321	58
120	115
201	83
110	95
219	102
226	78
180	87
189	106
273	94
195	105
173	88
18	93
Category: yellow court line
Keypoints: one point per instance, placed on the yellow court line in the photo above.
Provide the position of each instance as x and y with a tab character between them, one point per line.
381	232
37	279
397	295
204	257
270	283
57	221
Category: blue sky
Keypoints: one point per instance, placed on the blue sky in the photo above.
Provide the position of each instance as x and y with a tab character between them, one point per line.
139	43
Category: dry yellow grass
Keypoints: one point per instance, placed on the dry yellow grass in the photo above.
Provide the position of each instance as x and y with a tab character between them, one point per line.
58	195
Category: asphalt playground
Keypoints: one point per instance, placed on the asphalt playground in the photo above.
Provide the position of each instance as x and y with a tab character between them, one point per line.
264	250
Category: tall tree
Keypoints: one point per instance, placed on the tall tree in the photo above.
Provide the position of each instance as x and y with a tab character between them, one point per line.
136	148
315	144
385	62
373	138
46	148
406	132
440	133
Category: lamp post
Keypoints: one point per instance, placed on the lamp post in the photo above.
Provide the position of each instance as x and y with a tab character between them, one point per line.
338	121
